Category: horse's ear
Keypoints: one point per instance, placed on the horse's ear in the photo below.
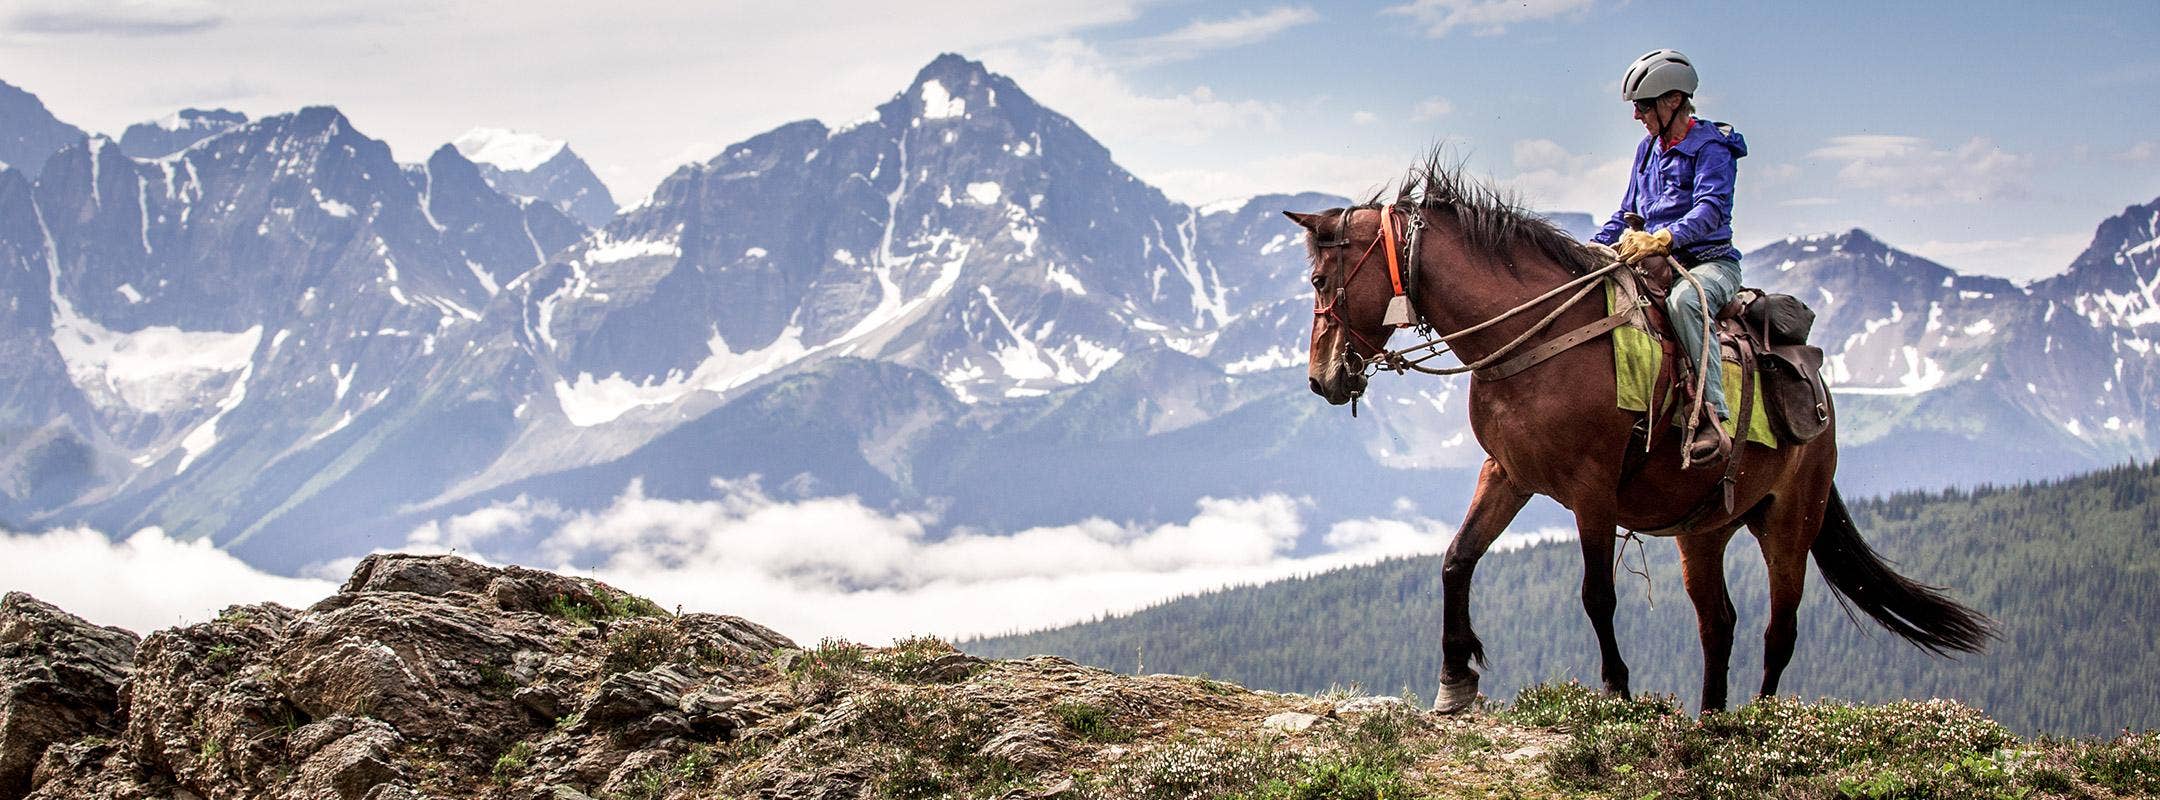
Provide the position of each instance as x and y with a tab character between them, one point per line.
1306	221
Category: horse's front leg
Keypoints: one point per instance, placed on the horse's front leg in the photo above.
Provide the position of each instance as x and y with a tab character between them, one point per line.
1597	527
1492	507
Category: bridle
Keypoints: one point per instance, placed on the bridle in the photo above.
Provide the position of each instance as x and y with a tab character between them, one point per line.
1324	302
1435	345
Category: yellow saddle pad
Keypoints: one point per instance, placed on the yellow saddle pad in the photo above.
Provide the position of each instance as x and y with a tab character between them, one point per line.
1635	360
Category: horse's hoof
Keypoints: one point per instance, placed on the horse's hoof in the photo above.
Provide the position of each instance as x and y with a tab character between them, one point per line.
1456	697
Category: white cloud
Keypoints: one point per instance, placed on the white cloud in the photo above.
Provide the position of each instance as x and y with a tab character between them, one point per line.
1080	82
1806	202
1550	177
2140	152
836	567
1431	108
1483	17
131	18
145	582
2022	258
1363	118
1201	36
1912	171
1353	176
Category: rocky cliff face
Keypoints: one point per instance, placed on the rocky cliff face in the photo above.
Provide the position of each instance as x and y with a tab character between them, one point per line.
439	677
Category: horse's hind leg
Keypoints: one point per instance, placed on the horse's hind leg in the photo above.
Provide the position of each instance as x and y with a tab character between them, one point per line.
1786	533
1702	568
1492	507
1596	528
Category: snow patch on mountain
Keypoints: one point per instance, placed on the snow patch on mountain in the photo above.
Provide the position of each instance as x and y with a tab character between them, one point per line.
605	250
204	436
940	104
1065	281
1272	358
588	401
153	370
507	149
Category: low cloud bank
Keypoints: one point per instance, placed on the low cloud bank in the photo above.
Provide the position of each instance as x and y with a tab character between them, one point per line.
816	568
144	582
835	567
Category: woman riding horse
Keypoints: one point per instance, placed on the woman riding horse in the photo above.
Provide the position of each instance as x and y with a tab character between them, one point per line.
1682	187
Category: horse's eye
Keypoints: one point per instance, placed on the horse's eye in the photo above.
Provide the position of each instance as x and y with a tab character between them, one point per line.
1319	281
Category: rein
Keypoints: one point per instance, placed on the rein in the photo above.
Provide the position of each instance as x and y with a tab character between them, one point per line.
1398	360
1401	361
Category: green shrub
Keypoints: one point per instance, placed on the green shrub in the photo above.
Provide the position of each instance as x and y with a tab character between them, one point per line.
1337	779
1091	722
1190	769
605	604
2128	765
641	645
1572	705
511	764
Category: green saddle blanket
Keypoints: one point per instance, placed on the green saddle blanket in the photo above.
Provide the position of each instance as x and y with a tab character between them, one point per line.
1635	360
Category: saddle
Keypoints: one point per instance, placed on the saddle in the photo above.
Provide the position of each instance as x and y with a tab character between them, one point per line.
1765	335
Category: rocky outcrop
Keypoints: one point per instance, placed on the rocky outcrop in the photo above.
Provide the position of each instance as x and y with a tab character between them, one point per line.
60	681
437	677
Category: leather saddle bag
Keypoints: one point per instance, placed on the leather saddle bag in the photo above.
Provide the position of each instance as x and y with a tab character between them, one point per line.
1793	391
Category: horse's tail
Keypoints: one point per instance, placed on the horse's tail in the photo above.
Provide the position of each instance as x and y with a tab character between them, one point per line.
1916	611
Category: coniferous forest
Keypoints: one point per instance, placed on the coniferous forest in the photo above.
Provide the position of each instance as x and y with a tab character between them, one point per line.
2069	569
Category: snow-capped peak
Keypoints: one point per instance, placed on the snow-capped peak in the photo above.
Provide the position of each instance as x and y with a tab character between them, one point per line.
507	149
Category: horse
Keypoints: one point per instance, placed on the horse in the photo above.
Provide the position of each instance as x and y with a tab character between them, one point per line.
1482	266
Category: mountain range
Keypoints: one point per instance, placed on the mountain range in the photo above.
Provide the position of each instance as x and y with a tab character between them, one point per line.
272	334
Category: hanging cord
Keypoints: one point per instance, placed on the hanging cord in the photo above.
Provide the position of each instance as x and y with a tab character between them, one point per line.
1707	358
1620	561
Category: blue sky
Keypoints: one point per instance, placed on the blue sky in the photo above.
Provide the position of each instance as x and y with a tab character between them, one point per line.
1990	136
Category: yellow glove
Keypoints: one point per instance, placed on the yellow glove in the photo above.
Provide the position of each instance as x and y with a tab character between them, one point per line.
1638	245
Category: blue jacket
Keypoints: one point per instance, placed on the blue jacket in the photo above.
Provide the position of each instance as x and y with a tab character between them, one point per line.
1687	188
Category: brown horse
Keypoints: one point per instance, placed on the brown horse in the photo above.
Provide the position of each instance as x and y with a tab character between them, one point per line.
1556	429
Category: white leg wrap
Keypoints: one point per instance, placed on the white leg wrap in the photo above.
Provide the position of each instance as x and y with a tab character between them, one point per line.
1455	697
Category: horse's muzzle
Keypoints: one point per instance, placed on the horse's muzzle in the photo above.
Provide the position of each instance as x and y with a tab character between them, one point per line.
1339	391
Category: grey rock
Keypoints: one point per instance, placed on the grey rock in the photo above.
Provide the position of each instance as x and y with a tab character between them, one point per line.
635	695
1289	721
60	680
351	767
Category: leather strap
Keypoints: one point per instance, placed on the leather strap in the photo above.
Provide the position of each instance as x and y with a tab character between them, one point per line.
1387	234
1553	347
1744	418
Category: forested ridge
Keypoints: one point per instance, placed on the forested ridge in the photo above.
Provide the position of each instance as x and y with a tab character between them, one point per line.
2067	568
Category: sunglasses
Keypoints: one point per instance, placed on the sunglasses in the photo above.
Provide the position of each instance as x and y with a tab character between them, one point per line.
1644	106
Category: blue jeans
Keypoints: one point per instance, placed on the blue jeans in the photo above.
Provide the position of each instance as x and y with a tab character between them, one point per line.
1720	281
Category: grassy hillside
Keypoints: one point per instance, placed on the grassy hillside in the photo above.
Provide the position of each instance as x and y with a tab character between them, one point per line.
2068	569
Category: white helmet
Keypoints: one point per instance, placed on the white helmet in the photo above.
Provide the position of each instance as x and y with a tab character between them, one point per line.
1658	72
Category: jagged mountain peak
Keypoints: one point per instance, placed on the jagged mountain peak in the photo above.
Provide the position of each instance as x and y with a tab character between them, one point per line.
952	86
535	167
1854	263
29	133
177	131
2123	247
508	149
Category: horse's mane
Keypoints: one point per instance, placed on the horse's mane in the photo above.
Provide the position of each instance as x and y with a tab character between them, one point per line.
1490	219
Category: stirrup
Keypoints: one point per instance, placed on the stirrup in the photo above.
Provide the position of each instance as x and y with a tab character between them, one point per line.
1722	445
